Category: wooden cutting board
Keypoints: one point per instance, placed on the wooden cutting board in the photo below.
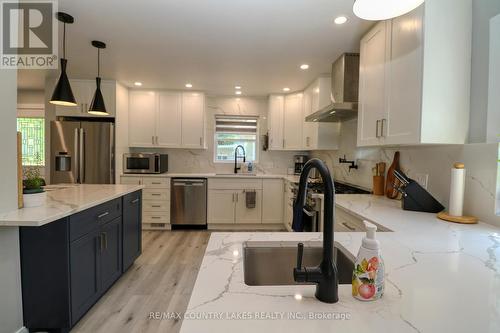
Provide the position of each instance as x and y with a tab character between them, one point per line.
391	180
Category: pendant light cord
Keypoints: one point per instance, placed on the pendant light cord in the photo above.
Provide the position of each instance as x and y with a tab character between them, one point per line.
98	62
64	41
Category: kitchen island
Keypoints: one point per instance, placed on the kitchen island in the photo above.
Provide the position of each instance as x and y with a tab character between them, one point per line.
440	277
73	249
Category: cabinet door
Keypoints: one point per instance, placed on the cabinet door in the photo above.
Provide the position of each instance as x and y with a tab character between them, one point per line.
82	90
292	129
275	121
84	274
132	216
372	80
405	99
221	206
308	127
193	120
246	215
168	127
108	89
111	252
142	118
272	201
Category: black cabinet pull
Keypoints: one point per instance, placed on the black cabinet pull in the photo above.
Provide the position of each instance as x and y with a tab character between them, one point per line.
348	226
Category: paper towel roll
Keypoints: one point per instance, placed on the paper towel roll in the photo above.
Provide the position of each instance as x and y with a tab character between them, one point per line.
457	189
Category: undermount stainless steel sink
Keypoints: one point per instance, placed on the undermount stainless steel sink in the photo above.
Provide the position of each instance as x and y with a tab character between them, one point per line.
272	263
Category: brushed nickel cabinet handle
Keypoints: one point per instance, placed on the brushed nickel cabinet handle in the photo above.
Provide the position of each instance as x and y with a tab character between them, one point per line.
382	122
376	129
100	216
134	201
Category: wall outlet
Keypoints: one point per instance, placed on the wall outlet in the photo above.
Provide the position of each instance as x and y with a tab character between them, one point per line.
422	179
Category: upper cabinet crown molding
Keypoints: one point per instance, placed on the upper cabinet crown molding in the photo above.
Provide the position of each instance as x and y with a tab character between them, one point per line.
166	119
428	104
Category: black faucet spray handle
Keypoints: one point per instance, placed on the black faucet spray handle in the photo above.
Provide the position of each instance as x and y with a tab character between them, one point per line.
300	253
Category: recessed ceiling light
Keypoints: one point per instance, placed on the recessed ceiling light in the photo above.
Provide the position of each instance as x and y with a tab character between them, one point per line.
286	89
237	87
237	92
304	66
340	20
189	85
298	297
137	84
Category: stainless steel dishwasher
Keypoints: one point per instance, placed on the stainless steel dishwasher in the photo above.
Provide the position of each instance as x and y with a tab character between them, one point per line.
188	205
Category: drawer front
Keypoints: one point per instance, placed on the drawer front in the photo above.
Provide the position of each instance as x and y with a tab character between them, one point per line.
348	222
155	206
152	217
234	184
156	194
156	182
131	180
86	221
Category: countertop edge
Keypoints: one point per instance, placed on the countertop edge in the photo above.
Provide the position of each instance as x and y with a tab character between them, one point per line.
55	217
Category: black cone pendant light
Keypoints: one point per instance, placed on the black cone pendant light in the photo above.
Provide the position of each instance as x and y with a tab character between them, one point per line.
63	95
97	106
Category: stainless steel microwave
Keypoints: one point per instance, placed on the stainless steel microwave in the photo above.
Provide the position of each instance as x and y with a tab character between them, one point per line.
145	163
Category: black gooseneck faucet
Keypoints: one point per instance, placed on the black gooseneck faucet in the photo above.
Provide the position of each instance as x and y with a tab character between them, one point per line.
325	275
236	168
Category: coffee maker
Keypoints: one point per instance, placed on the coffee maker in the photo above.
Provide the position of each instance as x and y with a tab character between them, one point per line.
299	162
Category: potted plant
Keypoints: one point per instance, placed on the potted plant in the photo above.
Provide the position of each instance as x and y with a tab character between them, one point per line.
33	192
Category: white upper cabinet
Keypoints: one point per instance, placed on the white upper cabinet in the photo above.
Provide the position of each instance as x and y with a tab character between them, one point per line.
287	127
166	119
293	120
142	118
319	135
276	108
415	77
372	75
169	119
84	90
193	120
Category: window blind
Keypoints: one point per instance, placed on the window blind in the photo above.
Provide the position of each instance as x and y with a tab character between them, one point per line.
233	124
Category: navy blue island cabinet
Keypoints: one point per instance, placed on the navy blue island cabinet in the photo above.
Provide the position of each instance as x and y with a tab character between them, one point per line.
68	264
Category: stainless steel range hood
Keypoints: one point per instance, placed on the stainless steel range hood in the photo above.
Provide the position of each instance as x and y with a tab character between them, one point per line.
344	95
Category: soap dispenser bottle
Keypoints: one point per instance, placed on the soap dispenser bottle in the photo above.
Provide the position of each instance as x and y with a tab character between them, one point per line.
368	274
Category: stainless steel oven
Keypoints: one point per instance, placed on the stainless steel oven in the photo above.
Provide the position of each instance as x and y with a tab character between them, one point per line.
145	163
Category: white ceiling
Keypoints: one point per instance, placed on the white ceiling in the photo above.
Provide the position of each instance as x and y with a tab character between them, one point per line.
213	44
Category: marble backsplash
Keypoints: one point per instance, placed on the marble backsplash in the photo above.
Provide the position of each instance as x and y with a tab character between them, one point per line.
436	161
202	161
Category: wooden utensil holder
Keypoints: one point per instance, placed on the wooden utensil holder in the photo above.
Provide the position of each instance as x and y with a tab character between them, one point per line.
378	185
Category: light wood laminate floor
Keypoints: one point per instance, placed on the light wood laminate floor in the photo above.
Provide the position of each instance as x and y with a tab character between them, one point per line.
160	280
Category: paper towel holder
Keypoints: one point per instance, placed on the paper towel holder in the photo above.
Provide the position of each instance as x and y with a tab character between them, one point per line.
457	219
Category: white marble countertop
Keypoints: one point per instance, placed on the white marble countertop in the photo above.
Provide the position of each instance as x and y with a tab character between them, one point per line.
209	175
440	277
64	200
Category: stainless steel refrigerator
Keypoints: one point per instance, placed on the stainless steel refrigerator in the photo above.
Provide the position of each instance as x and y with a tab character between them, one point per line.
82	152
